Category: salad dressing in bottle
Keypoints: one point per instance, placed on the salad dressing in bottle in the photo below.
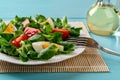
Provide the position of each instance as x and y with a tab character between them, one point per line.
102	18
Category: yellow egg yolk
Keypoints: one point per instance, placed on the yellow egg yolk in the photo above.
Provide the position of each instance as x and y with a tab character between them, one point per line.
9	29
46	44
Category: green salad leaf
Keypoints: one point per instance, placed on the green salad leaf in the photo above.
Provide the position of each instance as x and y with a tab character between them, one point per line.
32	54
48	52
4	42
47	29
68	47
54	37
58	23
23	51
1	20
10	50
35	25
37	37
17	33
75	32
6	36
3	26
40	18
64	21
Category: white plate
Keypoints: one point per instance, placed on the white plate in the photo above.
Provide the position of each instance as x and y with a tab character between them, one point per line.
54	59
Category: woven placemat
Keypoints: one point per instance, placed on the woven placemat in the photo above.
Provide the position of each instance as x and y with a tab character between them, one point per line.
89	61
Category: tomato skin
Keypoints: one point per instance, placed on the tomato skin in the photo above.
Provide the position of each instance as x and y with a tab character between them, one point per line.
31	31
16	42
64	32
21	37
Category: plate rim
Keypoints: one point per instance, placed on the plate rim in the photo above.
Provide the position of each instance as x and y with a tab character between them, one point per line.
38	61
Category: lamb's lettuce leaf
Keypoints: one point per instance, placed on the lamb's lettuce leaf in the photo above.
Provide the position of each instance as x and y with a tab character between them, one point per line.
40	18
48	52
3	26
53	37
64	21
7	36
23	51
75	32
4	42
68	47
37	37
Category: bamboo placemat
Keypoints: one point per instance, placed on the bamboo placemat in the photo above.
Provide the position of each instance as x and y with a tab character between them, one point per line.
89	61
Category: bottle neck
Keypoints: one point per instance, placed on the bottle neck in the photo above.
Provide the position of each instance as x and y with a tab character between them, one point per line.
102	2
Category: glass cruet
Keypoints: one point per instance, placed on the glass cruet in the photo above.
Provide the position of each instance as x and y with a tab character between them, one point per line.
102	18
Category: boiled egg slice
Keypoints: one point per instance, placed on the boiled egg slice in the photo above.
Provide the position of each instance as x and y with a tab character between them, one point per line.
38	46
10	28
50	21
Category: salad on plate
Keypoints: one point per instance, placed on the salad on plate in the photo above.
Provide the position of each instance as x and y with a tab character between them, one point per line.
37	38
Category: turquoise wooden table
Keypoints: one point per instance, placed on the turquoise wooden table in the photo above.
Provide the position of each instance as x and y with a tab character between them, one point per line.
75	10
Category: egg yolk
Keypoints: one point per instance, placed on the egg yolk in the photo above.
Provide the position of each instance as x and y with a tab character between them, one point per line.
9	29
45	45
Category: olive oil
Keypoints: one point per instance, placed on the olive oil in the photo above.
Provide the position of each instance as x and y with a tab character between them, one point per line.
102	19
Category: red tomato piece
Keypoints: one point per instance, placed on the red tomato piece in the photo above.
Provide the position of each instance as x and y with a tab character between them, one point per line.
31	31
15	43
22	37
64	32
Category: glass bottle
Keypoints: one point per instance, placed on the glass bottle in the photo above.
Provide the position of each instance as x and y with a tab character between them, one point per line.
102	18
